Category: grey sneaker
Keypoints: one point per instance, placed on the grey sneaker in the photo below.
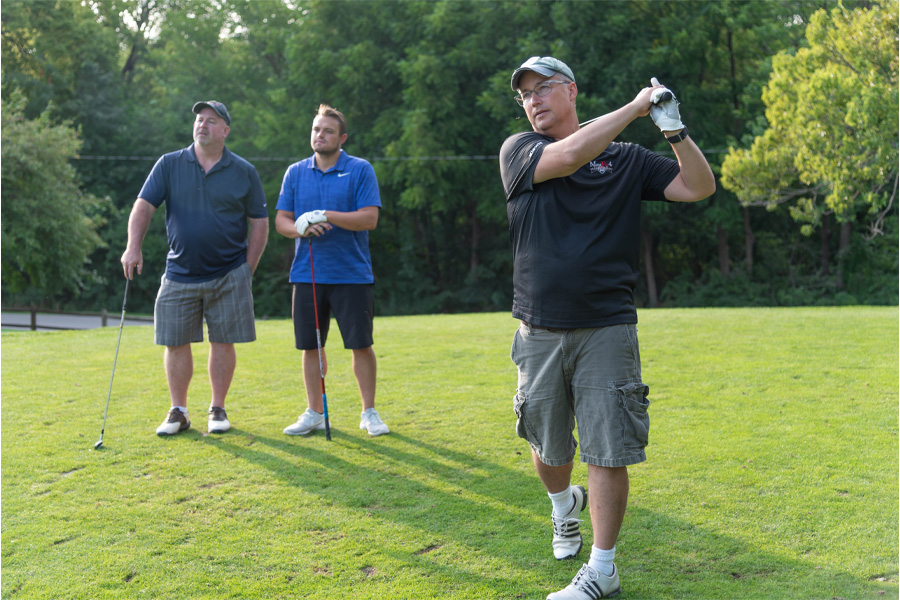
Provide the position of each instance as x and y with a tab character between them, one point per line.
306	423
175	421
567	540
218	420
589	585
370	421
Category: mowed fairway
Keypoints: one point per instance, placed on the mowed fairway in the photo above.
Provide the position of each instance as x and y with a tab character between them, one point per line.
772	470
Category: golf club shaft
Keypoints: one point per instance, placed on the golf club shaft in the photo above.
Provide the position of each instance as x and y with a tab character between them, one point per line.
312	271
115	359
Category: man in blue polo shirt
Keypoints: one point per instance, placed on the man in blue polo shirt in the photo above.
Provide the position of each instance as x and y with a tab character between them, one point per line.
217	224
332	197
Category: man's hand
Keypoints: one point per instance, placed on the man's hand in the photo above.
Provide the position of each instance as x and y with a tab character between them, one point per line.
132	260
309	218
664	109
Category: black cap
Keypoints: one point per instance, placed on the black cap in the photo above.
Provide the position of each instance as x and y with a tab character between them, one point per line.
216	106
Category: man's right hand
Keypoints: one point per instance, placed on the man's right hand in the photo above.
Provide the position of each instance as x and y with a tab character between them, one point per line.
132	259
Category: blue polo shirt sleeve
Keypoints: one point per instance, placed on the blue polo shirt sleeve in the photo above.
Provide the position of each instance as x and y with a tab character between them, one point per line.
154	188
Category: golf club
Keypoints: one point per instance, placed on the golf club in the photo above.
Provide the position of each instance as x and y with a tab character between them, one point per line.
312	271
99	444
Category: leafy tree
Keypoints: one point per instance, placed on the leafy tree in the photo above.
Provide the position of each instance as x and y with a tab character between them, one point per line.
49	224
831	144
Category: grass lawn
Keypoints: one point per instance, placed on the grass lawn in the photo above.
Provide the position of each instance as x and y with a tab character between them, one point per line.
772	470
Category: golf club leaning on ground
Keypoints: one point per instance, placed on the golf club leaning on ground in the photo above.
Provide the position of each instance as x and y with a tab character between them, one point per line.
99	443
312	271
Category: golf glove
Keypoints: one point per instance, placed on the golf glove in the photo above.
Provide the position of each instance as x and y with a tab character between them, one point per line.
309	218
664	110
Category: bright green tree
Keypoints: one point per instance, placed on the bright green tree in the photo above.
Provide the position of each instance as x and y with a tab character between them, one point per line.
831	144
49	225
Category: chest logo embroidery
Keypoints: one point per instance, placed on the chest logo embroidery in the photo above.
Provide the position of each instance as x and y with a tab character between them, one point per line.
601	166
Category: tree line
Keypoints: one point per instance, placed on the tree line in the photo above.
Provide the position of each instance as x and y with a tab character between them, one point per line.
794	102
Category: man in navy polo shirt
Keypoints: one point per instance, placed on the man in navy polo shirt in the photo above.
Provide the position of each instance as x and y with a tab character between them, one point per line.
332	197
217	224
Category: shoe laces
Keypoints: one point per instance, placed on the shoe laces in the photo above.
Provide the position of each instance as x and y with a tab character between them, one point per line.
561	525
583	577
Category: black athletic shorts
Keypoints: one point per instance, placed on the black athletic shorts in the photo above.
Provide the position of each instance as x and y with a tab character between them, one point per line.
353	306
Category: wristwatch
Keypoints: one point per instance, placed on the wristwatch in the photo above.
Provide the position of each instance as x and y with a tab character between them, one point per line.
678	137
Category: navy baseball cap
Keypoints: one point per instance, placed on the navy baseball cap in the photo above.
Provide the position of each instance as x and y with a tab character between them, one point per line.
216	106
545	66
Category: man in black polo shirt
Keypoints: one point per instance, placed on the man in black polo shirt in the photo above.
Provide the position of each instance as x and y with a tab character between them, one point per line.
217	225
573	202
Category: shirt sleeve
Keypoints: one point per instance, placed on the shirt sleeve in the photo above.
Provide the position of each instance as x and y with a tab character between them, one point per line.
658	173
286	195
367	192
257	207
519	157
155	190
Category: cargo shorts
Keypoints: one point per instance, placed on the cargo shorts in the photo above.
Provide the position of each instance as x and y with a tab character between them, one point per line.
590	377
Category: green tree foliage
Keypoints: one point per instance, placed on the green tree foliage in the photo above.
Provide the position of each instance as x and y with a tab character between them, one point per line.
49	224
831	143
425	87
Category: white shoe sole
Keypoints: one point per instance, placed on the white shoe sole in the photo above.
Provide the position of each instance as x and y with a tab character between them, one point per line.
218	426
291	431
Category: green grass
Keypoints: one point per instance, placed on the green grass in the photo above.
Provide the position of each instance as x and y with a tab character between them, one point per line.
772	470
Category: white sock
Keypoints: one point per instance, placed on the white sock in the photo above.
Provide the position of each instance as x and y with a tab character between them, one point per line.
602	560
181	409
563	502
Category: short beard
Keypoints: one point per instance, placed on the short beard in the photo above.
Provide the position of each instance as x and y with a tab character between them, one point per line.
328	153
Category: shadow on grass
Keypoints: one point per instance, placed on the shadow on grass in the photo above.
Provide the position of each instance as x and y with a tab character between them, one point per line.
457	497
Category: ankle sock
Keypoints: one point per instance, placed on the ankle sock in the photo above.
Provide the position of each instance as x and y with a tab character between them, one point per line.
602	560
563	502
181	409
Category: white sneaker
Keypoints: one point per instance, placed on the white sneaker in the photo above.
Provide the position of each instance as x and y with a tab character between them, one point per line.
306	423
218	420
175	421
567	540
370	421
589	585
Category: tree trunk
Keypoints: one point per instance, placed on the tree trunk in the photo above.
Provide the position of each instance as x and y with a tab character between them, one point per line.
825	247
749	240
846	232
724	260
474	260
648	267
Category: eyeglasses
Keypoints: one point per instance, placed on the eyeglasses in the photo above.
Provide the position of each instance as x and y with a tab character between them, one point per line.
541	90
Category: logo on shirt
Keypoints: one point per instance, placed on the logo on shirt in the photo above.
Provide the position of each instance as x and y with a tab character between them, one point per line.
535	147
601	166
343	174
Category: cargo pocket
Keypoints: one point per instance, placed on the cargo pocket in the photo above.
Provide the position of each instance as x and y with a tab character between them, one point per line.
522	428
636	422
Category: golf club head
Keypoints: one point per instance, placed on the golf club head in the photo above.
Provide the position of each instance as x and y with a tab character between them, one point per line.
98	445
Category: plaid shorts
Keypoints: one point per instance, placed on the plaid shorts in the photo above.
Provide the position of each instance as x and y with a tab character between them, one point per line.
588	376
226	302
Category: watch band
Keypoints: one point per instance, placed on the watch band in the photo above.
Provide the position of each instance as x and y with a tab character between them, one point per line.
678	137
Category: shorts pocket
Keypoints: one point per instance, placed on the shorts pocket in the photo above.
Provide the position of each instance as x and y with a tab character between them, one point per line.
633	401
522	428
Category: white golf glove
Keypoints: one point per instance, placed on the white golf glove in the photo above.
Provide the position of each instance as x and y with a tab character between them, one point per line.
664	110
309	218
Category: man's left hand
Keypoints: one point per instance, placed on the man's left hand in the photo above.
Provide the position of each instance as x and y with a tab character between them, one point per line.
309	218
664	109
